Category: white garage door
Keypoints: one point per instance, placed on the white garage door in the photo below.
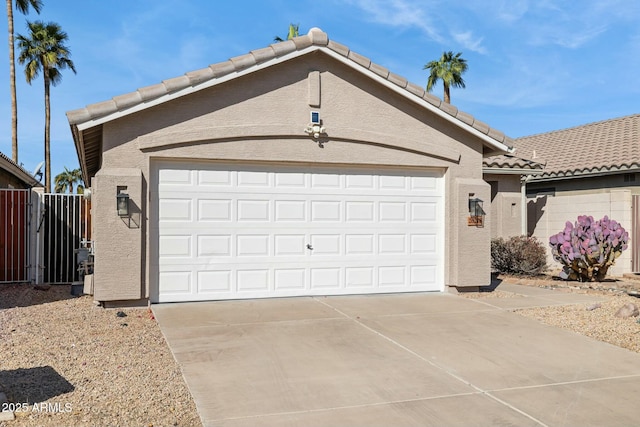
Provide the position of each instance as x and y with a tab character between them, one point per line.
269	231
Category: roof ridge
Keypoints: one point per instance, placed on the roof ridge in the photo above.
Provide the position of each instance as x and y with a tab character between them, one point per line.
599	122
315	37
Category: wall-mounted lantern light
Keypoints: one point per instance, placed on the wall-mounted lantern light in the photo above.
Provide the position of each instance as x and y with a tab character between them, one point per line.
476	212
122	204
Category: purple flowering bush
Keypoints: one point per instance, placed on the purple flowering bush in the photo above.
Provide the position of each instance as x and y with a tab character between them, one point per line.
588	248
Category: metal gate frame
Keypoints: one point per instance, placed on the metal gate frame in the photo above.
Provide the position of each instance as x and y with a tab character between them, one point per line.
63	227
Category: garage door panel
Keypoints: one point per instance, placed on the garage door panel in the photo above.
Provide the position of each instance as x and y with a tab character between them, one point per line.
215	245
290	279
252	179
290	211
176	210
359	244
424	211
173	246
360	211
214	178
218	281
256	232
424	243
215	210
295	180
252	245
290	245
252	280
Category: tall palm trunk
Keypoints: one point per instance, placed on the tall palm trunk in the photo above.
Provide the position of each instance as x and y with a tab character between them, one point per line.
12	78
47	133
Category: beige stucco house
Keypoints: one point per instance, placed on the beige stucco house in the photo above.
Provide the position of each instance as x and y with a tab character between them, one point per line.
302	168
591	169
508	174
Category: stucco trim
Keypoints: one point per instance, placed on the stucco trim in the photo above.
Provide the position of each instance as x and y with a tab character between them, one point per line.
226	133
488	135
93	116
116	114
595	172
511	171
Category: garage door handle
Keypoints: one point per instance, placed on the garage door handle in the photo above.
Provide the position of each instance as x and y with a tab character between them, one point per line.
309	247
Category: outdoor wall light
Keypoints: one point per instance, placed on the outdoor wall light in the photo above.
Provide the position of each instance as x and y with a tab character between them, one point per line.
122	204
315	130
475	207
476	212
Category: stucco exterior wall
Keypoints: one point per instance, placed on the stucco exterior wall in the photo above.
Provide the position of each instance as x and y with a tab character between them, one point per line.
506	205
471	255
549	211
260	118
119	255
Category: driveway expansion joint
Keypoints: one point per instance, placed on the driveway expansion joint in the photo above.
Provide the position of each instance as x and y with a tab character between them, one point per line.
436	365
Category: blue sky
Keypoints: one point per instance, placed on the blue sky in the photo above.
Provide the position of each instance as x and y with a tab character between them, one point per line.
534	65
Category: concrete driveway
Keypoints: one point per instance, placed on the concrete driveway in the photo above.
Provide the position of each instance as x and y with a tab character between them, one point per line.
401	360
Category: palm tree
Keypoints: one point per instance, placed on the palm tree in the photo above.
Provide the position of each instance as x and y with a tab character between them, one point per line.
293	32
449	68
44	50
23	7
67	179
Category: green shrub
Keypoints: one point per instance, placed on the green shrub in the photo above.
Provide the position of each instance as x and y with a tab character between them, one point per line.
520	255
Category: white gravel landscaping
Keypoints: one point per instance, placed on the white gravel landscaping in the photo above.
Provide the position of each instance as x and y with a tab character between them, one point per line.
595	321
67	362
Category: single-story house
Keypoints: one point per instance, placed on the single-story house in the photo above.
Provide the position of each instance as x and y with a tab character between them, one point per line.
15	217
302	168
508	175
14	176
591	169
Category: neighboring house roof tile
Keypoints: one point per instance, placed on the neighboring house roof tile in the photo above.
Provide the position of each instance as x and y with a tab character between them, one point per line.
507	163
608	146
18	171
94	115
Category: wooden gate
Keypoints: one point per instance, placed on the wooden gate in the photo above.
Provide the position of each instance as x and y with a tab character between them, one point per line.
14	235
65	221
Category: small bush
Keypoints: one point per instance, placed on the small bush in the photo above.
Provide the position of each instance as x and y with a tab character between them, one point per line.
519	255
587	248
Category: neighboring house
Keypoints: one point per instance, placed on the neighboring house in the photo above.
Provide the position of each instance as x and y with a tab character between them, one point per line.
590	170
15	176
508	174
299	169
15	239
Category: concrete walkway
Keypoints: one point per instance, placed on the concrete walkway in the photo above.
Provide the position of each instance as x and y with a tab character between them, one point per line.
398	360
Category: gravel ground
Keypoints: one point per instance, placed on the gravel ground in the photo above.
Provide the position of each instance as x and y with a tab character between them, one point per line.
599	323
88	365
93	368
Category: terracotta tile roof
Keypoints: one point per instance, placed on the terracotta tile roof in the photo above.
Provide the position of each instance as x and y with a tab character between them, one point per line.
507	163
95	115
608	146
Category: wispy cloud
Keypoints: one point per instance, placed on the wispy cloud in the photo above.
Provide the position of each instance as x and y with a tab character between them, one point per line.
571	25
469	41
402	13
